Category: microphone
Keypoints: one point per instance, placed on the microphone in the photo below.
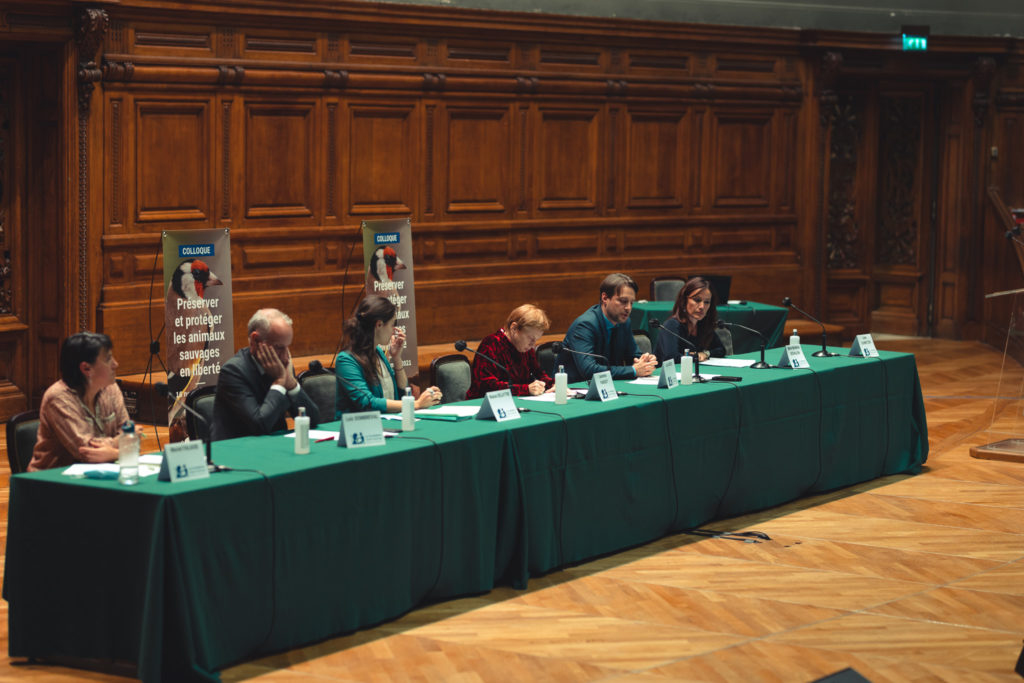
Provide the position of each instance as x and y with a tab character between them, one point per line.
164	390
557	347
656	324
462	346
764	341
824	353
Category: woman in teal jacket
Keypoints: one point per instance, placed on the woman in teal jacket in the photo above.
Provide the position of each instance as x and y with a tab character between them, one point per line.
370	371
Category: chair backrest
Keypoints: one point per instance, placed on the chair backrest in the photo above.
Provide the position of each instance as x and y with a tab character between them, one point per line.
200	400
452	375
720	283
546	357
726	336
21	439
666	287
321	385
643	342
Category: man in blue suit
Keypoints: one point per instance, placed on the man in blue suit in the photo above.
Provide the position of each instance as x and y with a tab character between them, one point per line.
603	337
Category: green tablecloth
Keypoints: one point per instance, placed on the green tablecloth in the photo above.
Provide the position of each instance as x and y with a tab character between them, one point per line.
186	579
768	320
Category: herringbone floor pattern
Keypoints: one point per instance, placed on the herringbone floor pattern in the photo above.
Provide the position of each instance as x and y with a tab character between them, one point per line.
903	578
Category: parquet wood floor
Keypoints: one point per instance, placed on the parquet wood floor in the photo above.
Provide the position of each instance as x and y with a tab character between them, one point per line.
902	578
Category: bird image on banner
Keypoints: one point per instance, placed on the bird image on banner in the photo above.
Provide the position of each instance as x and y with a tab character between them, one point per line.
190	282
384	263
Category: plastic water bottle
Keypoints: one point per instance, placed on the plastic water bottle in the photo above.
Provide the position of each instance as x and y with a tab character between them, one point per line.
686	369
128	454
794	339
408	411
302	432
561	386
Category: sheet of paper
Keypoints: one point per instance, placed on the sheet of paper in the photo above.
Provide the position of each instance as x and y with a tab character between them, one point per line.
315	435
458	411
109	470
549	397
728	362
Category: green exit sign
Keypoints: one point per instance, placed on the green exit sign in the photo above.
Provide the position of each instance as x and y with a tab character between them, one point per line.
911	42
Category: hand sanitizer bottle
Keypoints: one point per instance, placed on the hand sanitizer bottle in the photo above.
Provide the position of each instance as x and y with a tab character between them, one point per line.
561	386
408	411
302	432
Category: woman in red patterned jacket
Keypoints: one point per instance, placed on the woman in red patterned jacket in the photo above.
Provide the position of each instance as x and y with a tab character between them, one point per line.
513	346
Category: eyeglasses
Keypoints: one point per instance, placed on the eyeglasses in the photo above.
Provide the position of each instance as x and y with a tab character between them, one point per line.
699	302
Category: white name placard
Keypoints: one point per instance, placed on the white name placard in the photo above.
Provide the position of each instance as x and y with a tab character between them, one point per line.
793	357
498	405
668	378
602	388
184	461
864	345
361	429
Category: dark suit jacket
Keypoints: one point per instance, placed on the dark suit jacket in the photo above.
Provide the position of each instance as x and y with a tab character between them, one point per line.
245	405
587	333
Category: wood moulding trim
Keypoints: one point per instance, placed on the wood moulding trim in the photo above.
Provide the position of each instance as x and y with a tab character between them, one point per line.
119	68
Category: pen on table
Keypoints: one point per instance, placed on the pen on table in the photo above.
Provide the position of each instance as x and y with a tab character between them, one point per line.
326	438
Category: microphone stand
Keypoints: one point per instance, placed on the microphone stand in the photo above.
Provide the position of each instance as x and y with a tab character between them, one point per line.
558	347
163	390
655	323
824	353
462	346
759	364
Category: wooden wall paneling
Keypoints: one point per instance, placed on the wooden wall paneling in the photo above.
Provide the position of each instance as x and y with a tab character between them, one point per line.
478	54
15	267
954	227
172	39
175	164
478	153
282	161
228	141
741	160
902	231
654	170
567	160
277	45
383	152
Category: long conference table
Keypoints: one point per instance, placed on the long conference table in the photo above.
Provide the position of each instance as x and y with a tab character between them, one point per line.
189	578
766	319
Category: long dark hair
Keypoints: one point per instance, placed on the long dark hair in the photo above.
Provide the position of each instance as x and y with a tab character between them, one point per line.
706	326
359	331
84	346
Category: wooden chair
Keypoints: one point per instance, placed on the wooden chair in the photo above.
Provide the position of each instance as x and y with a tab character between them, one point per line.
451	374
21	439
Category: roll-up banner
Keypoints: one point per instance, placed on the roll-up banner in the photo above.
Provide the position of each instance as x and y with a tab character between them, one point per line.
197	314
387	257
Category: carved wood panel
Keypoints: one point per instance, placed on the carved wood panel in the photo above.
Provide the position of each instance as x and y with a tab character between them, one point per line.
657	143
177	192
382	167
567	158
480	160
741	159
281	160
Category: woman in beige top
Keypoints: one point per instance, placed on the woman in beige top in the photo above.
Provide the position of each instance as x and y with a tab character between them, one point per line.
82	413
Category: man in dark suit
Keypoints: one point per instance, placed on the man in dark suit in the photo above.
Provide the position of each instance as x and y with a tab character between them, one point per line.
604	330
258	386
